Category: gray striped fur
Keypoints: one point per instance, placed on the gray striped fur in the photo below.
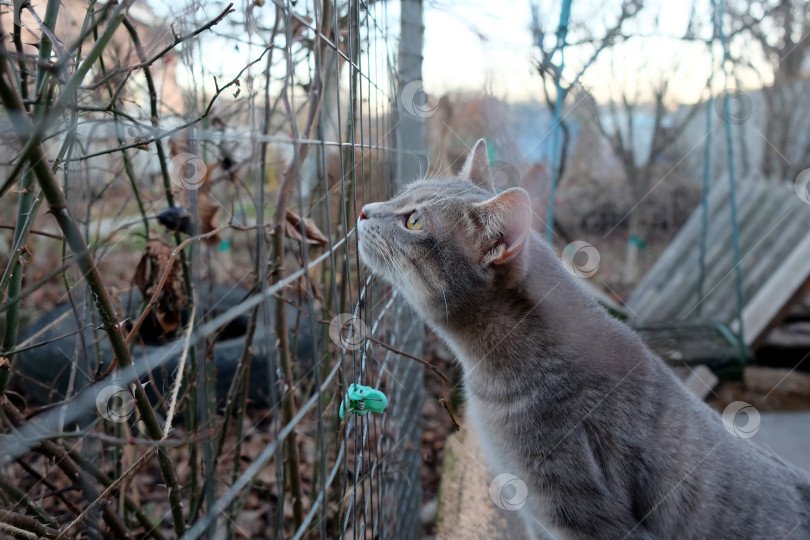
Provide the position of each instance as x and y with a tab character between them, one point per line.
608	442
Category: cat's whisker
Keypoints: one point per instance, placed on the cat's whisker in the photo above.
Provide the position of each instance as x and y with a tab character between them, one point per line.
395	261
427	170
446	310
386	254
396	268
387	260
446	170
403	273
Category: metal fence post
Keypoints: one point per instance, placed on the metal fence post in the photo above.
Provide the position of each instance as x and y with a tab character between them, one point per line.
412	156
411	164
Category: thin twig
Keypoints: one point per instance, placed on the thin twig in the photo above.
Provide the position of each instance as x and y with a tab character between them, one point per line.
441	376
145	63
20	497
107	493
34	231
16	532
147	523
27	523
47	341
70	505
446	404
285	193
84	258
60	457
163	278
27	206
168	133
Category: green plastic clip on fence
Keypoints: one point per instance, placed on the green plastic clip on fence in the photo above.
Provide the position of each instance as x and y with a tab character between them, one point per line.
363	399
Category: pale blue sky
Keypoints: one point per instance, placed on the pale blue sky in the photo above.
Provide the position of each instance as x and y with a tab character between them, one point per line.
468	44
477	44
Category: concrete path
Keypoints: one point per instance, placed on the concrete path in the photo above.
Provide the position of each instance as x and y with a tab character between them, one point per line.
466	509
787	435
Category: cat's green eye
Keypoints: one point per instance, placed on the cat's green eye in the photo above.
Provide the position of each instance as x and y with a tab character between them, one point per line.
414	222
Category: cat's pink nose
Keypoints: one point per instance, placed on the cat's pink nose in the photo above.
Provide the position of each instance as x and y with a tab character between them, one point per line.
369	210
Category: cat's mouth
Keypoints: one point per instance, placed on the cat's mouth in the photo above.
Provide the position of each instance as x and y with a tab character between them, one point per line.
369	252
375	254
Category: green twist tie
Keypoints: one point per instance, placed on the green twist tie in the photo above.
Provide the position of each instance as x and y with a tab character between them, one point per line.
363	399
636	241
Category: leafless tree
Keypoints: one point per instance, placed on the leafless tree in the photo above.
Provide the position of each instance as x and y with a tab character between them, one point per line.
545	43
779	31
617	122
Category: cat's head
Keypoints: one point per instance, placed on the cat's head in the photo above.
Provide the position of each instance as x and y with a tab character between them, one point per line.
447	243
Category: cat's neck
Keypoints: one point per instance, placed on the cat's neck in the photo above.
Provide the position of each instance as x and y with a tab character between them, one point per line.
505	315
542	318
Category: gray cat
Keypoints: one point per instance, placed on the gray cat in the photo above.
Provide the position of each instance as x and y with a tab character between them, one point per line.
610	444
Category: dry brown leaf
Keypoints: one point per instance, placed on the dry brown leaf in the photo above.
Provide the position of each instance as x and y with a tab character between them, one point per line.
142	143
207	212
298	27
293	230
209	167
4	363
177	146
156	259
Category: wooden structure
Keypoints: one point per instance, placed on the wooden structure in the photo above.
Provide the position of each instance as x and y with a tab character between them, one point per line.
774	228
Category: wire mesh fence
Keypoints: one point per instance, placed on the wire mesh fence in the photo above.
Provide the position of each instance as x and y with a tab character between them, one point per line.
184	315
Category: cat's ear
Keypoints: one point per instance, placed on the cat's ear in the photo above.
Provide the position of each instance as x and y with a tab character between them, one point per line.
507	219
476	168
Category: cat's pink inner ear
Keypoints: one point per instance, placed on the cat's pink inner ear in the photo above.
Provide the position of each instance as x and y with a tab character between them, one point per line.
508	220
